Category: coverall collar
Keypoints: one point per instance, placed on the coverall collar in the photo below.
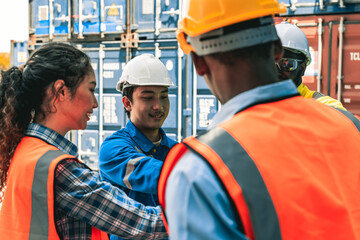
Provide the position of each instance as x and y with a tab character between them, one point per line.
143	142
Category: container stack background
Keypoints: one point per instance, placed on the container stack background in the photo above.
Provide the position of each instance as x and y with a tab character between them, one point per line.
112	32
332	28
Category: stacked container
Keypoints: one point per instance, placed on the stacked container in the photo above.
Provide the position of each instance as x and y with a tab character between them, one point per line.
333	32
19	53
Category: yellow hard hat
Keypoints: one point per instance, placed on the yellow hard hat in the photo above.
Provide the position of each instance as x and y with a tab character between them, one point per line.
203	16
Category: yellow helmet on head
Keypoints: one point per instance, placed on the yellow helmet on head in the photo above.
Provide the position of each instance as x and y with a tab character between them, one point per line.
206	19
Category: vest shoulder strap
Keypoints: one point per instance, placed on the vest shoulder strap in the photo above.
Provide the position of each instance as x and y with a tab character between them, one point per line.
39	225
242	180
352	118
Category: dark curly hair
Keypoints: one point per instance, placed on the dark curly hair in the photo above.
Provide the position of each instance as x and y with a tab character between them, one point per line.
23	91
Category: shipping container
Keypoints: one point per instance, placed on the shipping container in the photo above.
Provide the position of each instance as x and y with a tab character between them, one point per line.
334	42
96	20
320	7
98	17
154	19
50	18
18	53
203	105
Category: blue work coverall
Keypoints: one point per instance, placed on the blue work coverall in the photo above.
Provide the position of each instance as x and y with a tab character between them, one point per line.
129	160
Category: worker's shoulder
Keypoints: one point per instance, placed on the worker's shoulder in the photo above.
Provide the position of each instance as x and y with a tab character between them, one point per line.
118	137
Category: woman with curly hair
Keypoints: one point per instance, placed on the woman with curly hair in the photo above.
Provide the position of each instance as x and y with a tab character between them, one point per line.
45	191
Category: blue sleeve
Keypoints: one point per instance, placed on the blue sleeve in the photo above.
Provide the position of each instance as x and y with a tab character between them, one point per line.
196	205
121	164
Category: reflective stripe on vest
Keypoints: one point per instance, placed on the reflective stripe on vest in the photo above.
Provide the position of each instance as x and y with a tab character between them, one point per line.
352	118
253	194
39	225
317	95
249	182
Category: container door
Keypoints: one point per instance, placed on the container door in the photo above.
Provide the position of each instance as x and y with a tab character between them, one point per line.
88	145
319	7
345	85
88	140
204	104
61	17
155	19
50	17
40	16
113	113
87	18
18	53
114	16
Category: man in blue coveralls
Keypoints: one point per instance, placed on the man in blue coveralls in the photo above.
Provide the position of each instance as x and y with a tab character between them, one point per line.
132	157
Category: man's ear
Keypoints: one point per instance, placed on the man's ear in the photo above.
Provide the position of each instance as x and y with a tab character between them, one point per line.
200	64
127	103
278	50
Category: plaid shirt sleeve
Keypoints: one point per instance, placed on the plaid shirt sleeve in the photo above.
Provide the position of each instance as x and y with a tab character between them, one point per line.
80	192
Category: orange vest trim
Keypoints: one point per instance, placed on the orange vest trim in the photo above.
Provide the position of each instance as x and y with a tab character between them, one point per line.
28	205
177	150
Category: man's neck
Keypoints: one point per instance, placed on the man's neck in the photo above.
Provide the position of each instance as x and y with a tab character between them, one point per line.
238	80
152	135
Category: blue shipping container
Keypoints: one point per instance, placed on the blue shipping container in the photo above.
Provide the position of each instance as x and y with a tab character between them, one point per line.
18	53
320	7
154	19
50	17
95	17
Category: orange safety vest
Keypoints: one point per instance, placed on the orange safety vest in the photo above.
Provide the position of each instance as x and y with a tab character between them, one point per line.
291	169
27	210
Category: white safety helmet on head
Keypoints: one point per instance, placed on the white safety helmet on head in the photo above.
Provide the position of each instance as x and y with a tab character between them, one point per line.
144	70
293	39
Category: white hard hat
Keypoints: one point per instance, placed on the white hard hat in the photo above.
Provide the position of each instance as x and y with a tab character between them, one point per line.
293	39
144	70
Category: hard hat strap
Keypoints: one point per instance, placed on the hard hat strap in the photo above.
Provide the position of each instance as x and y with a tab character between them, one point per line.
214	41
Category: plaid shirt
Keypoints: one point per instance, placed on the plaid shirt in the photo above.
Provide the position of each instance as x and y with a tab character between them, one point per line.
82	200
